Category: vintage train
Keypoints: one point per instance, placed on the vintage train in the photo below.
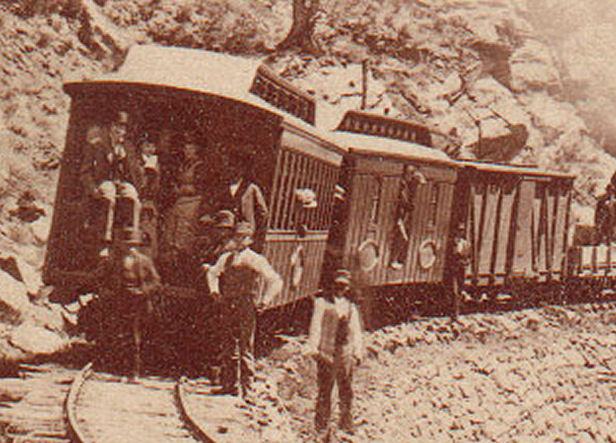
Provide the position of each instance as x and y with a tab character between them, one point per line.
385	201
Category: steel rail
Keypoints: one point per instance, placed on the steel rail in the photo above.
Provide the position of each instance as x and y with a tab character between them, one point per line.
186	413
74	430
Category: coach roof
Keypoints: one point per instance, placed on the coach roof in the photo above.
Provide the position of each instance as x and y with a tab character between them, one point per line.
508	168
195	70
372	145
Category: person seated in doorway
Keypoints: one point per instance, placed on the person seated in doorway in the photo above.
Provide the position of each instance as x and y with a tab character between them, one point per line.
150	185
110	171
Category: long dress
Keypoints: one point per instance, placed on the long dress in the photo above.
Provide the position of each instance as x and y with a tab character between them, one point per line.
180	225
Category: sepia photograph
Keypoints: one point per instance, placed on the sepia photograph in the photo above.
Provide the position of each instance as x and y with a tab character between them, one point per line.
294	221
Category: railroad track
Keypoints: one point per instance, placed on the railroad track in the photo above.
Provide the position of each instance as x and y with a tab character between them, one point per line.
108	408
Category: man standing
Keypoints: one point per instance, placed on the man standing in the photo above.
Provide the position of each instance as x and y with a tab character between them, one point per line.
129	279
148	192
338	348
605	213
244	197
459	259
234	280
110	171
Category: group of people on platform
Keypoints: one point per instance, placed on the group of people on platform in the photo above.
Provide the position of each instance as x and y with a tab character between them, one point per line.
213	227
190	191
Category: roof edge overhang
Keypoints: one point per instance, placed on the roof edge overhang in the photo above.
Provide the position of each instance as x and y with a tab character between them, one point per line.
75	88
359	152
520	170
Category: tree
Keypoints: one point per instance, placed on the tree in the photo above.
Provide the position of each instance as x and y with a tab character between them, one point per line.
301	32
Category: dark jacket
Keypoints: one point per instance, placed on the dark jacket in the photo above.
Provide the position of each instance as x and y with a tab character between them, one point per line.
605	217
99	162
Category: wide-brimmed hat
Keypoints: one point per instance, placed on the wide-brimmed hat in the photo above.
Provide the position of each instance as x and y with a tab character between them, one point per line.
342	277
224	219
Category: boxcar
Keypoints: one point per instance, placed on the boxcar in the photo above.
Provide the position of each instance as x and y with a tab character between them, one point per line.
230	103
517	221
391	229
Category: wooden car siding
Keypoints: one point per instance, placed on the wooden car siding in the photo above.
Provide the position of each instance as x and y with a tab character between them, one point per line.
385	222
522	255
294	170
517	232
279	250
561	228
503	234
364	185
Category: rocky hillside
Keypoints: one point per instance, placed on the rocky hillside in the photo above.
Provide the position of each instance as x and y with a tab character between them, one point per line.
527	76
465	68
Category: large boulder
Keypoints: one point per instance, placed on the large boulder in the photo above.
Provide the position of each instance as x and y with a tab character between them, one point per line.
40	229
30	276
532	67
33	339
13	296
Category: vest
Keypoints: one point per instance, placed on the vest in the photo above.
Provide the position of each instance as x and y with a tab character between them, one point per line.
238	283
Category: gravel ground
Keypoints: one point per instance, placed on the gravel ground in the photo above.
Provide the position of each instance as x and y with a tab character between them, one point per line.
547	374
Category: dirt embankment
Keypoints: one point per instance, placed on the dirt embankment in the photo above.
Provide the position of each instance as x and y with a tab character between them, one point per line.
537	374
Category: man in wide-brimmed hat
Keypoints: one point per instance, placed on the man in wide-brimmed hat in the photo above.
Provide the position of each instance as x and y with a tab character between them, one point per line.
233	281
336	342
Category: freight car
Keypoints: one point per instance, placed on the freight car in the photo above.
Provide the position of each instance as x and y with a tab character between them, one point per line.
517	221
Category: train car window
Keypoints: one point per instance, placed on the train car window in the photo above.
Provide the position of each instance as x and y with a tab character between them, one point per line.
376	201
433	206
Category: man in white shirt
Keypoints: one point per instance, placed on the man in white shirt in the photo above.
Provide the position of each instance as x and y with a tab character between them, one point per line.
234	280
338	348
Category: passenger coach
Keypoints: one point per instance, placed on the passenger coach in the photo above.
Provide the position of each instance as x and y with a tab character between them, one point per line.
393	225
231	104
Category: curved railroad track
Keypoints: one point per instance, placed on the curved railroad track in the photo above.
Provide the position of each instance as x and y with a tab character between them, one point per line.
107	408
